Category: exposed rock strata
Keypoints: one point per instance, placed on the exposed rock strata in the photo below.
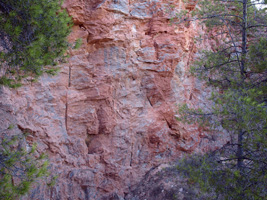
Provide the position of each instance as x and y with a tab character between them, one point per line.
108	117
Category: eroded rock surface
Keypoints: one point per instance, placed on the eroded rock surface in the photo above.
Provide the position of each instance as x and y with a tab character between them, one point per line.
108	117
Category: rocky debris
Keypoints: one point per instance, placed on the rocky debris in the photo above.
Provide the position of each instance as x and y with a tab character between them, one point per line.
109	116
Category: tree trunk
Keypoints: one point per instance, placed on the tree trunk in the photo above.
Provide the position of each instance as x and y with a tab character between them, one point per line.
244	39
239	153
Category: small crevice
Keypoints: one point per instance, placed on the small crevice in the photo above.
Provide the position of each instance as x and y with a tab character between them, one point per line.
131	155
149	101
66	114
26	130
69	84
156	46
66	106
191	96
169	124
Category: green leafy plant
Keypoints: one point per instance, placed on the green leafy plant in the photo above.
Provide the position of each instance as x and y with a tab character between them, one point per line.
78	43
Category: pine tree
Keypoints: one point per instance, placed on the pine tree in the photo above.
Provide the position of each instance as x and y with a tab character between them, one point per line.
32	35
20	166
236	68
33	38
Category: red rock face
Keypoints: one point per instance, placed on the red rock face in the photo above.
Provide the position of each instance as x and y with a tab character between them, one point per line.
108	117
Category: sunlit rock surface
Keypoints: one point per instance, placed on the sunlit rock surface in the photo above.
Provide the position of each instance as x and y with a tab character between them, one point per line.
109	116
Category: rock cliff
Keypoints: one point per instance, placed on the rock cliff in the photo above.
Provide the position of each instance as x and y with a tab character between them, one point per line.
108	117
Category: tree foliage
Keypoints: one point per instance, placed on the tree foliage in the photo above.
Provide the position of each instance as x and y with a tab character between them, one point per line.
236	68
33	38
20	166
32	35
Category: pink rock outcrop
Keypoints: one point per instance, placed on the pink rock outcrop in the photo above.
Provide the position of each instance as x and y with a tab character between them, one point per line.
109	116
